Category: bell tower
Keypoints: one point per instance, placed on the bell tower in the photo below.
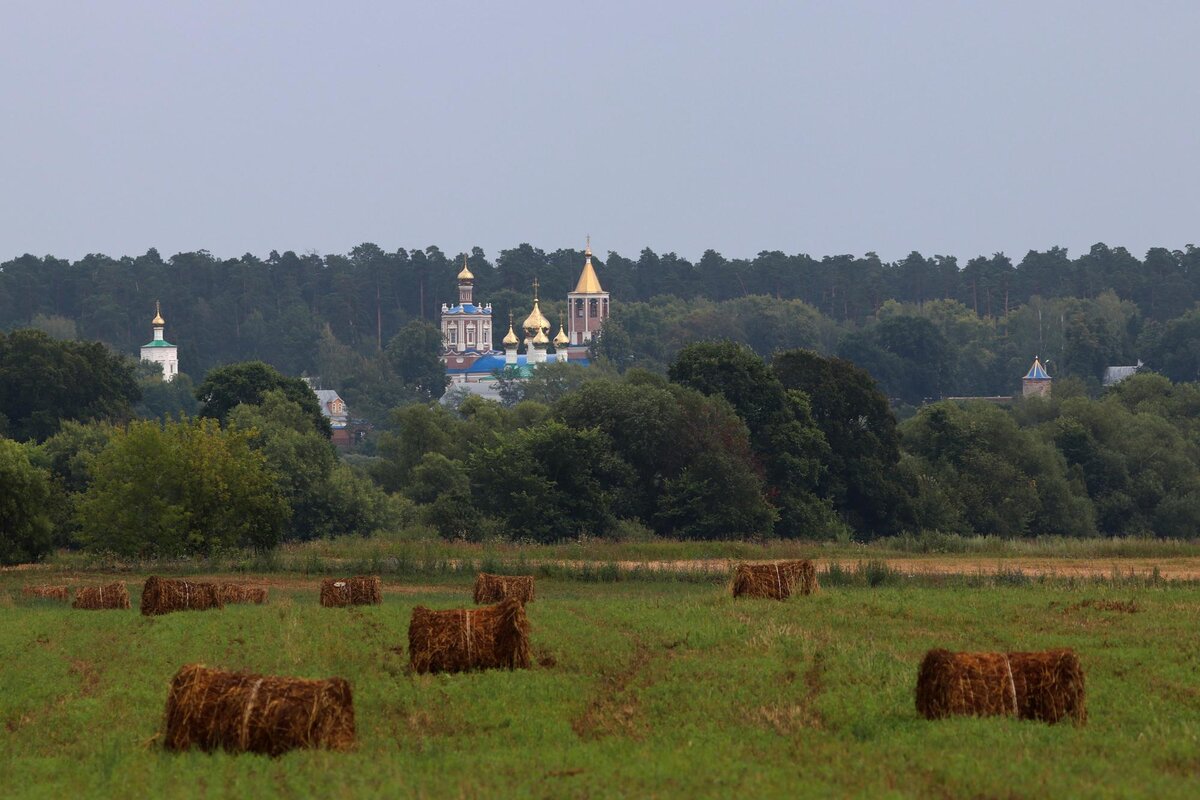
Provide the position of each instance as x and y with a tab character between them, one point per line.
587	305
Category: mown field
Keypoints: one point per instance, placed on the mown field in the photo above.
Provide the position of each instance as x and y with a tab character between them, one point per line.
644	688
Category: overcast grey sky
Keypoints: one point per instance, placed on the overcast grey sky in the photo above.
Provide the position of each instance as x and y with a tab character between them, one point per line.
958	128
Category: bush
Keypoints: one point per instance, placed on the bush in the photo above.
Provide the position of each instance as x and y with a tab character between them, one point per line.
25	528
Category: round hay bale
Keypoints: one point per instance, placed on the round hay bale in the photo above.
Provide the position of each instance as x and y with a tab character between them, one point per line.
46	592
242	593
462	639
361	590
494	588
97	598
1046	686
165	595
238	712
776	581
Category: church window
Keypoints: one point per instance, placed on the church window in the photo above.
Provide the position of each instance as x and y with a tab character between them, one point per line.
470	334
452	335
579	308
593	308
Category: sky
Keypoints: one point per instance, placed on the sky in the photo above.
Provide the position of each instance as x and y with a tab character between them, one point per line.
953	128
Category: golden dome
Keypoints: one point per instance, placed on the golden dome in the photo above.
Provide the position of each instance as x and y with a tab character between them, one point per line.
536	320
561	338
158	320
510	339
465	275
541	338
588	282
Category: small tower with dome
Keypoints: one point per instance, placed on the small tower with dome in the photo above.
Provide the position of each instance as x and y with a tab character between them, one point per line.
159	350
587	305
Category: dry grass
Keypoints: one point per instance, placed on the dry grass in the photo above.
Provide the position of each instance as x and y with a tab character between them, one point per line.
494	588
462	639
242	593
1046	686
47	592
95	598
164	595
361	590
238	712
776	581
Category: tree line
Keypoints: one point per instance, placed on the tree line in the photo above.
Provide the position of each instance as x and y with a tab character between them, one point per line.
725	445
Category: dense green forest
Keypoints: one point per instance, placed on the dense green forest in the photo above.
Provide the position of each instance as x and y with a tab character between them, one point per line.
924	327
779	397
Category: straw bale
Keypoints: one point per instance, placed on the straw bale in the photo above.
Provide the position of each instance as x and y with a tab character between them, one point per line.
92	598
164	595
238	712
361	590
494	588
776	581
1046	686
461	639
242	593
47	592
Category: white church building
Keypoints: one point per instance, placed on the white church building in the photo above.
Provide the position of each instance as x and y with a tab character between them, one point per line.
160	351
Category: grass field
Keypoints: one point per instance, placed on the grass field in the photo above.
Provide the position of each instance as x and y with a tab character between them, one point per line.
648	688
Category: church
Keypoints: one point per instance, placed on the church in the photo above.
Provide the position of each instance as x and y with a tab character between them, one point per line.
468	351
159	350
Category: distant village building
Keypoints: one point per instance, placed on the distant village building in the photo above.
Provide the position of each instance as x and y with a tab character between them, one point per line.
159	350
346	431
1114	375
1036	382
472	362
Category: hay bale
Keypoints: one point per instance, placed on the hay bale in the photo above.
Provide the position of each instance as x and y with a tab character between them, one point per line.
776	581
93	598
164	595
237	712
46	592
461	639
242	593
361	590
494	588
1046	686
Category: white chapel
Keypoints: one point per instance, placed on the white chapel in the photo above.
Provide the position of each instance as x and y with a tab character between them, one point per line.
160	351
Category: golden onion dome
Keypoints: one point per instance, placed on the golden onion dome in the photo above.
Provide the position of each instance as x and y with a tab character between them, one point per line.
465	274
561	338
158	320
541	338
536	320
510	339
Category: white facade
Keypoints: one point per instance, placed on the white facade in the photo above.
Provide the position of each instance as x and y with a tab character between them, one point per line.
160	351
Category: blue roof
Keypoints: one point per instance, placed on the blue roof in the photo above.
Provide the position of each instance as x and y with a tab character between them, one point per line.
467	308
489	364
1036	373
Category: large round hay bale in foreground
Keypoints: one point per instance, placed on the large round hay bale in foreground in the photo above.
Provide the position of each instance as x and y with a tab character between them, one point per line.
46	592
494	588
361	590
776	581
239	713
1046	686
242	593
164	595
96	598
462	639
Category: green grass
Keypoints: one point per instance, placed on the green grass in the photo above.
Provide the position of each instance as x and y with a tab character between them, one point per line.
659	687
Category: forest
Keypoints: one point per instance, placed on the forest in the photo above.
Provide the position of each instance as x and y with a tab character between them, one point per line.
924	327
781	397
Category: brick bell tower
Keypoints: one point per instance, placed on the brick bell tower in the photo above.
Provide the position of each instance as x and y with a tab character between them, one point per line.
588	305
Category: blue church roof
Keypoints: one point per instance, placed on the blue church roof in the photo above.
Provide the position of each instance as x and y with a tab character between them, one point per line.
1036	373
467	308
489	364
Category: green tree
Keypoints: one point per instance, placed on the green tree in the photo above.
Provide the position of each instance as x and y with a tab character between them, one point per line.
226	387
179	489
26	529
862	478
44	381
784	437
415	354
